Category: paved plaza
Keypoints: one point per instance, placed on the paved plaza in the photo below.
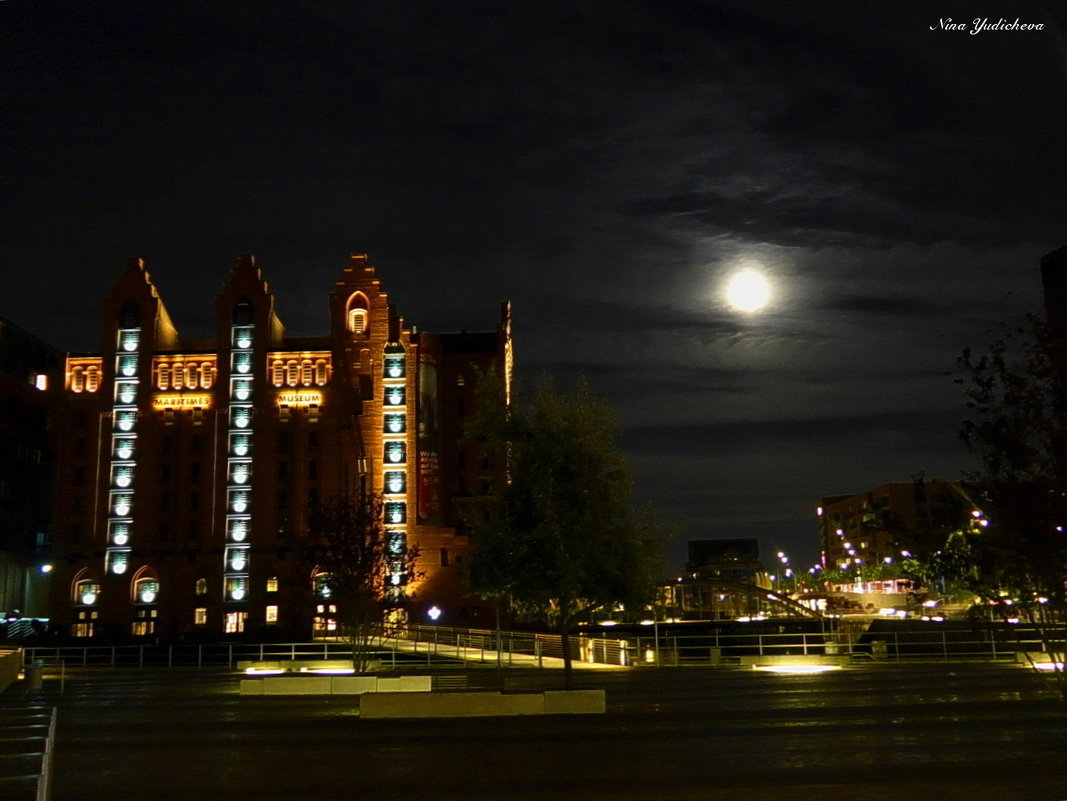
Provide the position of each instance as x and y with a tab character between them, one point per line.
879	731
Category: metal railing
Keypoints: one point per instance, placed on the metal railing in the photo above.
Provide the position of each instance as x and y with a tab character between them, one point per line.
438	645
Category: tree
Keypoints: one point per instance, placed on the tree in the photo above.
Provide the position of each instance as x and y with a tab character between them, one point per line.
1015	552
358	567
559	538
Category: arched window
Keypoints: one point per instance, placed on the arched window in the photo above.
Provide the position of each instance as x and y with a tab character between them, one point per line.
146	591
92	379
177	373
306	377
207	375
292	372
163	376
278	373
86	592
77	379
320	372
358	313
192	375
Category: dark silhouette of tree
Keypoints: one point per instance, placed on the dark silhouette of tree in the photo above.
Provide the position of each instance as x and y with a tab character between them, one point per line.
356	567
559	538
1015	552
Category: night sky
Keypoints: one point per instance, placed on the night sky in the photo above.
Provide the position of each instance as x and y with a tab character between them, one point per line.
605	166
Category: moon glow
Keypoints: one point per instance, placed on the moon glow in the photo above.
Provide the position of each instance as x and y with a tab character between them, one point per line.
748	291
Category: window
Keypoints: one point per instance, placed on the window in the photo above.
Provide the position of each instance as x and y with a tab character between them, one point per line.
272	613
306	373
313	470
272	584
200	616
235	622
201	586
86	592
194	472
146	591
313	439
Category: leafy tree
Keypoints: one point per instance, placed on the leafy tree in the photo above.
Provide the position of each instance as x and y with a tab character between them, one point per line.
355	565
1016	552
559	537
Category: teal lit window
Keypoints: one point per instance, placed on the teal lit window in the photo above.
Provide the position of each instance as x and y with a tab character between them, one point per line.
394	396
394	424
396	512
395	481
395	452
146	591
394	366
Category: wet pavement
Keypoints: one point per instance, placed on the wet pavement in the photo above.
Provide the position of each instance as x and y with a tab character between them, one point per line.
879	731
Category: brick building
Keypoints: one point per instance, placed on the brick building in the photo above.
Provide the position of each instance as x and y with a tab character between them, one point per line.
186	467
869	528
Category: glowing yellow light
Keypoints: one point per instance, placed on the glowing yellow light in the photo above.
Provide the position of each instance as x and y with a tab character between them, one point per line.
177	400
300	398
796	669
254	671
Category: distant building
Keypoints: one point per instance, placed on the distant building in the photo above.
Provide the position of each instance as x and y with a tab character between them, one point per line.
736	559
30	372
879	526
186	467
724	580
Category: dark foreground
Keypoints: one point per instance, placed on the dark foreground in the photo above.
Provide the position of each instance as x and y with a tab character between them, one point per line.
876	732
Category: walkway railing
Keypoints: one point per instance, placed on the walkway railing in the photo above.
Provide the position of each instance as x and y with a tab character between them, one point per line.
434	645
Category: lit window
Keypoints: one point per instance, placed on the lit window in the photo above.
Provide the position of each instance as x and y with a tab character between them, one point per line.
357	321
272	584
394	453
320	372
92	379
86	592
277	373
235	622
394	424
201	586
395	512
394	481
146	591
394	365
40	381
207	375
272	613
306	373
200	616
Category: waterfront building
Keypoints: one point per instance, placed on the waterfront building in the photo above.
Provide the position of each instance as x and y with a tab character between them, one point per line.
186	467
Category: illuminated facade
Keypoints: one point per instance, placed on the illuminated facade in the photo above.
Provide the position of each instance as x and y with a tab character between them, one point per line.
891	521
186	467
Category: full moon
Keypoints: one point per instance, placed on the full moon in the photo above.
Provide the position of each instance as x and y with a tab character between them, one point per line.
748	291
